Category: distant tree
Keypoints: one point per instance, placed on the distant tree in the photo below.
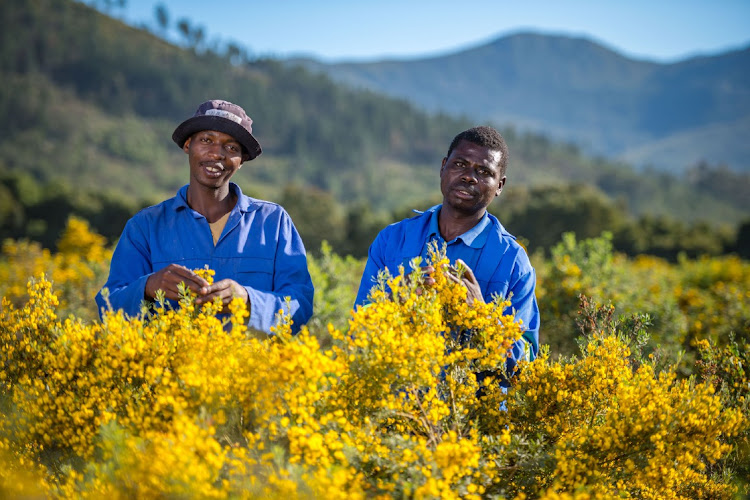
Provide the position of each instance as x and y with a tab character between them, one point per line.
194	35
316	215
197	37
183	26
235	54
109	5
551	211
743	240
361	227
162	17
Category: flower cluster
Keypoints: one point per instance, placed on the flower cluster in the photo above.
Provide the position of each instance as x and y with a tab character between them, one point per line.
78	269
617	430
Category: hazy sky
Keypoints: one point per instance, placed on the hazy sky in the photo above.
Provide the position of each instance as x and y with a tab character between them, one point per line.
661	30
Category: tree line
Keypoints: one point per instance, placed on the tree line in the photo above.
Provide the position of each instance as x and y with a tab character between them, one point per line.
537	216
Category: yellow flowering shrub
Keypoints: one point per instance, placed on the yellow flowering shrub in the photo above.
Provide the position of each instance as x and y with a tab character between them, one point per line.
705	298
727	369
177	403
78	269
715	284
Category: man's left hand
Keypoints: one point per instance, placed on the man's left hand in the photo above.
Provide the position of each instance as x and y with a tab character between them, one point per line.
470	282
226	290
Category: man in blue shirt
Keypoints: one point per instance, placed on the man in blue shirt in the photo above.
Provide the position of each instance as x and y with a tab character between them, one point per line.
471	176
252	245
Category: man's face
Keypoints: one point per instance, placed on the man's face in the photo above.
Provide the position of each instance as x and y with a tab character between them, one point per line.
470	178
214	157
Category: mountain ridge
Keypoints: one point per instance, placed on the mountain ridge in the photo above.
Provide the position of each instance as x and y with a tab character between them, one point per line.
573	89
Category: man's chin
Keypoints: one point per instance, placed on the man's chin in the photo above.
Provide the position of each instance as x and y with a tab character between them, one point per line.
467	209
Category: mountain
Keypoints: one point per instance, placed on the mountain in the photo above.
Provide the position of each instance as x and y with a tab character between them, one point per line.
90	103
669	116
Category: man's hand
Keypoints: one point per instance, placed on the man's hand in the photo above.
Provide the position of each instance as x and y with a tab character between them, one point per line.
169	278
469	281
226	290
427	279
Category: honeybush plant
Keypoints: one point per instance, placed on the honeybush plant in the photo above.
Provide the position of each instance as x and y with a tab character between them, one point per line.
175	403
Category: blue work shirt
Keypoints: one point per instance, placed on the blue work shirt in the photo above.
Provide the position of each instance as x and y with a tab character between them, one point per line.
259	248
500	265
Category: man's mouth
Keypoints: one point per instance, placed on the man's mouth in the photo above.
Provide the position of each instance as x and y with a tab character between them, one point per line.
464	193
213	169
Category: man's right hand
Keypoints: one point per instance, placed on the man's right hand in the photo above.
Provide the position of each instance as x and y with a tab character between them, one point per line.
427	279
169	278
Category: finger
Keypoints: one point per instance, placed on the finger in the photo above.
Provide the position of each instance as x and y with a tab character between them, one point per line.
210	292
169	279
468	273
188	276
217	286
226	290
452	277
220	294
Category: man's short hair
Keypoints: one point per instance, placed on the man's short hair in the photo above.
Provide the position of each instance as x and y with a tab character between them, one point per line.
486	137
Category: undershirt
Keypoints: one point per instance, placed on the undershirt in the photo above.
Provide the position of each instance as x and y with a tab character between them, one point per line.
218	226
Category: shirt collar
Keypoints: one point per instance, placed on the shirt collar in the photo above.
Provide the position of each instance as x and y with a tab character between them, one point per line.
243	202
475	237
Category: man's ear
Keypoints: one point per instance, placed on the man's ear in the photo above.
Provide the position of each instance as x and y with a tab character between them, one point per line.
500	186
442	165
186	146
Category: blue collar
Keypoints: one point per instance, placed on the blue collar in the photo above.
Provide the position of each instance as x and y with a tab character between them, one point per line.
243	202
475	237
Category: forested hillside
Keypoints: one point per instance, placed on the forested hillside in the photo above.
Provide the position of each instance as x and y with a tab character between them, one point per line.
89	105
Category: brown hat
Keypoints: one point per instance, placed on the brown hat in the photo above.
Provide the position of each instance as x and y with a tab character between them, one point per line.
222	116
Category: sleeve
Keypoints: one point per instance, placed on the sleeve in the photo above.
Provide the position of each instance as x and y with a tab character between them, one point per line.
524	305
375	262
520	277
291	278
129	269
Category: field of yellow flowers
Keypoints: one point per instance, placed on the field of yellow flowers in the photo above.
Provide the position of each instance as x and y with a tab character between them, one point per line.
641	392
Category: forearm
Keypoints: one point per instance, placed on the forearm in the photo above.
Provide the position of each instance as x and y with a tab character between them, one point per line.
128	297
265	307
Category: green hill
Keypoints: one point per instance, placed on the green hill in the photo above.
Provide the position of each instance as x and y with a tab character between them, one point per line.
89	105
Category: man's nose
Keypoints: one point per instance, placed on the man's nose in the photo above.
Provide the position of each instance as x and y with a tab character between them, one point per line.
217	150
469	176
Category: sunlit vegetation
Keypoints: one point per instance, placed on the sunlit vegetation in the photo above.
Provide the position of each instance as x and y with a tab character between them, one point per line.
382	402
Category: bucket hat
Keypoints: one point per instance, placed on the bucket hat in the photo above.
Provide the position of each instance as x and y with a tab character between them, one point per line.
222	116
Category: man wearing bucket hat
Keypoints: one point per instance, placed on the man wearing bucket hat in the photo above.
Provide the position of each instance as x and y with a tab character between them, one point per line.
252	245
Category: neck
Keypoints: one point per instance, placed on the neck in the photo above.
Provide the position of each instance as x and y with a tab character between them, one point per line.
211	203
452	223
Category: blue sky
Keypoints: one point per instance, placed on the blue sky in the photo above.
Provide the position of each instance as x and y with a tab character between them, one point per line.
664	31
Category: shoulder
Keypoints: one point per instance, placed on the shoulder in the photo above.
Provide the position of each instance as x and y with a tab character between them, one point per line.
262	208
409	226
153	212
507	244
